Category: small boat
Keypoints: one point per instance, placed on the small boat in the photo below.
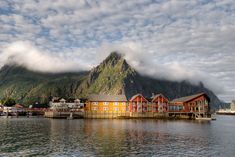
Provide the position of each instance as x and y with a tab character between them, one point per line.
204	118
213	117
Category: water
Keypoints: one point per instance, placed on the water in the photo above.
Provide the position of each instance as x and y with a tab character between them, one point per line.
94	137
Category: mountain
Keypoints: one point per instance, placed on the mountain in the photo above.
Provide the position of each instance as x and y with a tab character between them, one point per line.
113	76
27	86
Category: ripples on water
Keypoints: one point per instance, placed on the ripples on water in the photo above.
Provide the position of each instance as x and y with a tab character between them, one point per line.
54	137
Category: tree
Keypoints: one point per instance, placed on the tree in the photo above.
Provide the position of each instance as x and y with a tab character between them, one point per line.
8	102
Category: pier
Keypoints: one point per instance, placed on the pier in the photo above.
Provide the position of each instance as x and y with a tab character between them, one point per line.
64	114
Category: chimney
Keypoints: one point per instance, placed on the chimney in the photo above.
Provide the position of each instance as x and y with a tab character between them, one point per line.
152	95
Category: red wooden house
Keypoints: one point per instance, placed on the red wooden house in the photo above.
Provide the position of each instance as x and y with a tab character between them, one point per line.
197	104
138	103
159	103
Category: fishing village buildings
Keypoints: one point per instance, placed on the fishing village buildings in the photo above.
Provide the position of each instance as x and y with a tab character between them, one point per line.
158	106
194	105
62	108
119	106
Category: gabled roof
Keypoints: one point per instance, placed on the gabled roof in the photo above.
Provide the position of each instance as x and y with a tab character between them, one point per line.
133	97
77	100
188	98
62	99
157	95
104	97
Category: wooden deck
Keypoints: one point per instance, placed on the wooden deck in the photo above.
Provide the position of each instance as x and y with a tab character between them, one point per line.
65	115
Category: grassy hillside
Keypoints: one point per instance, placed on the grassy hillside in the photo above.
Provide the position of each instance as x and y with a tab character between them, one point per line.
27	87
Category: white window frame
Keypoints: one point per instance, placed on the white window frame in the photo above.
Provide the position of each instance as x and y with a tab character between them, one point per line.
105	108
115	103
94	103
94	108
106	103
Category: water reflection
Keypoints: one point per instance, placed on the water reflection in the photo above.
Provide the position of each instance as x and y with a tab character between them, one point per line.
52	137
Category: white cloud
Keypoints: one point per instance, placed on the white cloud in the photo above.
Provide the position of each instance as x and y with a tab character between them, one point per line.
194	38
27	55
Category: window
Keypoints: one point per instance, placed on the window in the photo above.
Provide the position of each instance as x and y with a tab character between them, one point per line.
106	108
115	108
180	107
123	103
106	103
94	108
115	103
94	103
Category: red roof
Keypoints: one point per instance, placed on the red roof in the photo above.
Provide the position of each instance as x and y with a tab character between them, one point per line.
19	106
137	95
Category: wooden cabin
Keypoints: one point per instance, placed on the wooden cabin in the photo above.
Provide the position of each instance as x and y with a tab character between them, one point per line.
102	102
195	104
159	103
138	103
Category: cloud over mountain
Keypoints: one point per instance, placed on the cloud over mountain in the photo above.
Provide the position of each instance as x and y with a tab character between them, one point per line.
27	55
172	39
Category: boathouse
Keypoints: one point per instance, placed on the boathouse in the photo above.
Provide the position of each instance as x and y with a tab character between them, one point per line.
159	103
190	106
102	102
106	106
138	103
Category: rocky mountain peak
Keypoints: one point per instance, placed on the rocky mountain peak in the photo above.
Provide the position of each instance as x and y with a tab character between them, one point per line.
112	59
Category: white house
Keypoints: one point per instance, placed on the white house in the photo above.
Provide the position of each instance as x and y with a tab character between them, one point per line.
74	104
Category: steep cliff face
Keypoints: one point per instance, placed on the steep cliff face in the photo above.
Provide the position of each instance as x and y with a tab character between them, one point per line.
108	77
113	76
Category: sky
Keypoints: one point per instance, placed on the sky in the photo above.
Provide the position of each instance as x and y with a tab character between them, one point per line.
167	39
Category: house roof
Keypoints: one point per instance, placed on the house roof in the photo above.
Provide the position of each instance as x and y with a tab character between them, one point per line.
133	97
104	97
18	106
62	99
77	100
157	95
187	98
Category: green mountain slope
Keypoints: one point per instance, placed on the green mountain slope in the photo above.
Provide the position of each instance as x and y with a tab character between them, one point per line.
112	76
27	87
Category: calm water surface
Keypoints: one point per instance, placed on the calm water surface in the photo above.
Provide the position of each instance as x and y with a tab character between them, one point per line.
53	137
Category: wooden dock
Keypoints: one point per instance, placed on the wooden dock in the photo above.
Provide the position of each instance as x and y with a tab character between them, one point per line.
64	115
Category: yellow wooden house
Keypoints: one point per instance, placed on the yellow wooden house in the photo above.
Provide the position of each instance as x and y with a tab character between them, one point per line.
102	102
